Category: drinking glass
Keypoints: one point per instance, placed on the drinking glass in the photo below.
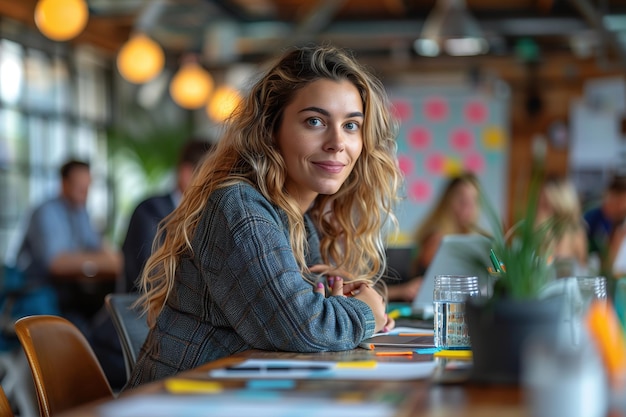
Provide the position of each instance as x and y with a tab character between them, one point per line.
591	288
449	296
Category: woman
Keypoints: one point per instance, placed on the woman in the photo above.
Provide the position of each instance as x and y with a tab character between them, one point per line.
299	186
456	212
559	212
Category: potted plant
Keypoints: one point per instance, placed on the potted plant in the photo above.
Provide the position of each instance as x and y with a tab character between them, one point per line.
500	325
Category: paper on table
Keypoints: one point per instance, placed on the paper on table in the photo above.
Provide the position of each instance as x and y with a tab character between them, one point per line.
297	369
401	337
241	404
404	329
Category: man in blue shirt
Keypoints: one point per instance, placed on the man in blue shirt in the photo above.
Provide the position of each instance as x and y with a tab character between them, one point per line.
62	249
604	220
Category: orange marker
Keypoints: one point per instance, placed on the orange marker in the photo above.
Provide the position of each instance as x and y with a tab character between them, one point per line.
392	353
604	326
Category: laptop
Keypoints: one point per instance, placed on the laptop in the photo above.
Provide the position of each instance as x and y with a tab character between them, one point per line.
456	255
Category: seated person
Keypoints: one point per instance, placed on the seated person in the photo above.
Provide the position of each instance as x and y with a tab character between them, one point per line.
566	239
143	224
62	249
299	188
605	223
456	211
137	246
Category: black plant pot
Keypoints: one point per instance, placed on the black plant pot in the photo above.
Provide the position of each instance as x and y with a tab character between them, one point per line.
499	328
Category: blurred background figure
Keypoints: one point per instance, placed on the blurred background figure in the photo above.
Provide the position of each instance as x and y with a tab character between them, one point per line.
137	248
566	239
144	221
457	211
62	249
604	223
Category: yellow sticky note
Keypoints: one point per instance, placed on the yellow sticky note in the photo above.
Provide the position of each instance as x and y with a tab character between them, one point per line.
456	354
357	364
191	386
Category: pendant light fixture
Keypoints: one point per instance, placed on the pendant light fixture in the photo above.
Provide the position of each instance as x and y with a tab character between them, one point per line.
451	29
222	103
61	20
192	85
140	59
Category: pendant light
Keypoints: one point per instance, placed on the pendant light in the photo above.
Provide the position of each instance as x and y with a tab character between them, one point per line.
140	59
192	85
61	20
451	29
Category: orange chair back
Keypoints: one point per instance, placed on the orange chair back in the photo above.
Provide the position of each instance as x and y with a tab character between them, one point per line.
5	407
65	369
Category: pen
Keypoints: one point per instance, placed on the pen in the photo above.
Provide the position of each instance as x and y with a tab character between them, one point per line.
497	265
392	353
368	346
276	368
415	334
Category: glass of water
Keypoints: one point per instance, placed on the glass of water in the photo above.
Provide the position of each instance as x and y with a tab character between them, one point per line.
449	296
591	288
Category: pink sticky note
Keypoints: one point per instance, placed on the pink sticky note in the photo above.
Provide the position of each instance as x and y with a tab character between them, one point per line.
461	140
476	111
436	109
406	164
420	191
420	138
402	109
435	163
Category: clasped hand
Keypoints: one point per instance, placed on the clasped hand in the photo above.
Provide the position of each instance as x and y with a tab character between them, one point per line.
339	287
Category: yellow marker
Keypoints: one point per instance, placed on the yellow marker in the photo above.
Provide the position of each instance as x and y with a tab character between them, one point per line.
191	386
456	354
356	364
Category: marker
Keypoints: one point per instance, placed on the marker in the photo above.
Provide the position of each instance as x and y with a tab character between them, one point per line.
392	353
400	312
276	368
415	334
497	265
368	346
191	386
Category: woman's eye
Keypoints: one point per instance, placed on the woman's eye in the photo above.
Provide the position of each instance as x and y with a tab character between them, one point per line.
352	126
314	121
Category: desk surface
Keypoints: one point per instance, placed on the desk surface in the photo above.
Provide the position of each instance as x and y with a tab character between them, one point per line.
420	397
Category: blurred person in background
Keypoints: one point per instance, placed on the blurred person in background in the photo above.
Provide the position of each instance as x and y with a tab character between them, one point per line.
605	224
559	210
137	247
143	224
457	211
62	249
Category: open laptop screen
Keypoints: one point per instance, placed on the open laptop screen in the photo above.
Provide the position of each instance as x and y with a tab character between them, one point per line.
456	255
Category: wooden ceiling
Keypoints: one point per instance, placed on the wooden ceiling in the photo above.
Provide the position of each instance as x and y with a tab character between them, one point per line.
249	29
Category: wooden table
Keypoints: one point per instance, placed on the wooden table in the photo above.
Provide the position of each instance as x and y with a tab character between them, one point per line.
421	397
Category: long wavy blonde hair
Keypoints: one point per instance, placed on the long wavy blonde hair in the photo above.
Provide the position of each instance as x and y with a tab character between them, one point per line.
351	223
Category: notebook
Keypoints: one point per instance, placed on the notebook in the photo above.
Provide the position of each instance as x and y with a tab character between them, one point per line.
456	255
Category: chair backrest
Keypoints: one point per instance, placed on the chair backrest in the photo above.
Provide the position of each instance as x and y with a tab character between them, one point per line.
5	406
65	369
132	328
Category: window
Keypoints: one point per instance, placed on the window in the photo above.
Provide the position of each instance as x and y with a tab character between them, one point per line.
53	106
